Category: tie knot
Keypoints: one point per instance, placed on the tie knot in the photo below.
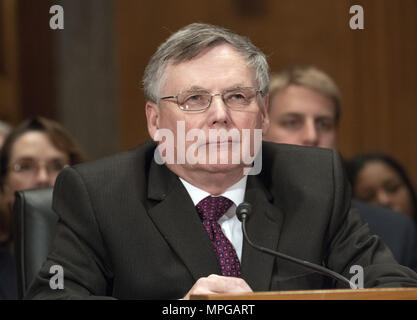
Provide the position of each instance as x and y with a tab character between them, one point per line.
213	208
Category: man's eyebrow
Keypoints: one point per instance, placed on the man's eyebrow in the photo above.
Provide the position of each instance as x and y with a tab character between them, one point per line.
293	114
26	158
325	117
195	88
301	114
236	86
198	88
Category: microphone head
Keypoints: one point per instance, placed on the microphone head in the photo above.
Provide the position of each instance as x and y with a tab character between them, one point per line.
243	211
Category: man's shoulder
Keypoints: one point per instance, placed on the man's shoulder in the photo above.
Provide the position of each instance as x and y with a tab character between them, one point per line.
281	151
290	171
137	159
296	159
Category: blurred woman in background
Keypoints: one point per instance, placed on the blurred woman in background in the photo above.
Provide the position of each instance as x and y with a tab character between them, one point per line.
32	156
379	179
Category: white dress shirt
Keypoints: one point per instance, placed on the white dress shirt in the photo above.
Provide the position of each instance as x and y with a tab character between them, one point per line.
230	224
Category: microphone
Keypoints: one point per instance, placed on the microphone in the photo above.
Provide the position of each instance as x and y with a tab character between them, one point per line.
243	212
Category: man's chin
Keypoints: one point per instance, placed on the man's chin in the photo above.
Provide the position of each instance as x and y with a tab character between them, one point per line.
216	168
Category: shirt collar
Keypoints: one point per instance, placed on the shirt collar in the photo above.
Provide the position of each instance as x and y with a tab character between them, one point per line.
236	193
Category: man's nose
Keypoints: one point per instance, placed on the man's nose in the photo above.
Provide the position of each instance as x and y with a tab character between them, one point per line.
218	111
310	134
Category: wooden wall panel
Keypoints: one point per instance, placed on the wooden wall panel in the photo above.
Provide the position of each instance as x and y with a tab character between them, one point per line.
37	64
383	104
9	101
27	77
376	68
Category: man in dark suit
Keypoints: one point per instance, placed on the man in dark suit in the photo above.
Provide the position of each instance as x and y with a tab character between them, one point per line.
305	109
132	228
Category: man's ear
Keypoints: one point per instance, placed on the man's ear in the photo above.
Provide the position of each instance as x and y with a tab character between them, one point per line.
265	114
152	116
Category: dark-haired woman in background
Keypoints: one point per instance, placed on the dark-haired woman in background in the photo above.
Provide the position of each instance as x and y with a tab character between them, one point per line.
32	156
379	179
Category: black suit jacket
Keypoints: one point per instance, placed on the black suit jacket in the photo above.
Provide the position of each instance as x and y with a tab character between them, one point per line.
129	229
396	230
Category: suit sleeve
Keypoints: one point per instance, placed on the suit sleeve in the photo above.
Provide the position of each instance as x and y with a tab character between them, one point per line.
410	250
77	246
350	242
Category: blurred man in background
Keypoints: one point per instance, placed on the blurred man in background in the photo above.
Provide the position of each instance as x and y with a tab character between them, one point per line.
305	109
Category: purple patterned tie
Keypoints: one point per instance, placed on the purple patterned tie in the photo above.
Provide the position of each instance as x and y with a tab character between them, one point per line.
210	210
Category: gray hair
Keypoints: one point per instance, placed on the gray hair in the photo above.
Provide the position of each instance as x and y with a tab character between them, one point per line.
188	42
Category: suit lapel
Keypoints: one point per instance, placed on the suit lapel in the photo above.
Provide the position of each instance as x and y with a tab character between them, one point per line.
175	217
177	220
263	228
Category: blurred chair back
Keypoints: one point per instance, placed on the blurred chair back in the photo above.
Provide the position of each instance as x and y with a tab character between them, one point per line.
34	227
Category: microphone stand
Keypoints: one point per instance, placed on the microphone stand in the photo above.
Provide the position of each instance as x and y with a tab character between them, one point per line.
322	270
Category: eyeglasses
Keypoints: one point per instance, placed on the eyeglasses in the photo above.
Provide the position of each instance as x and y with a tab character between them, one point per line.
30	168
198	100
